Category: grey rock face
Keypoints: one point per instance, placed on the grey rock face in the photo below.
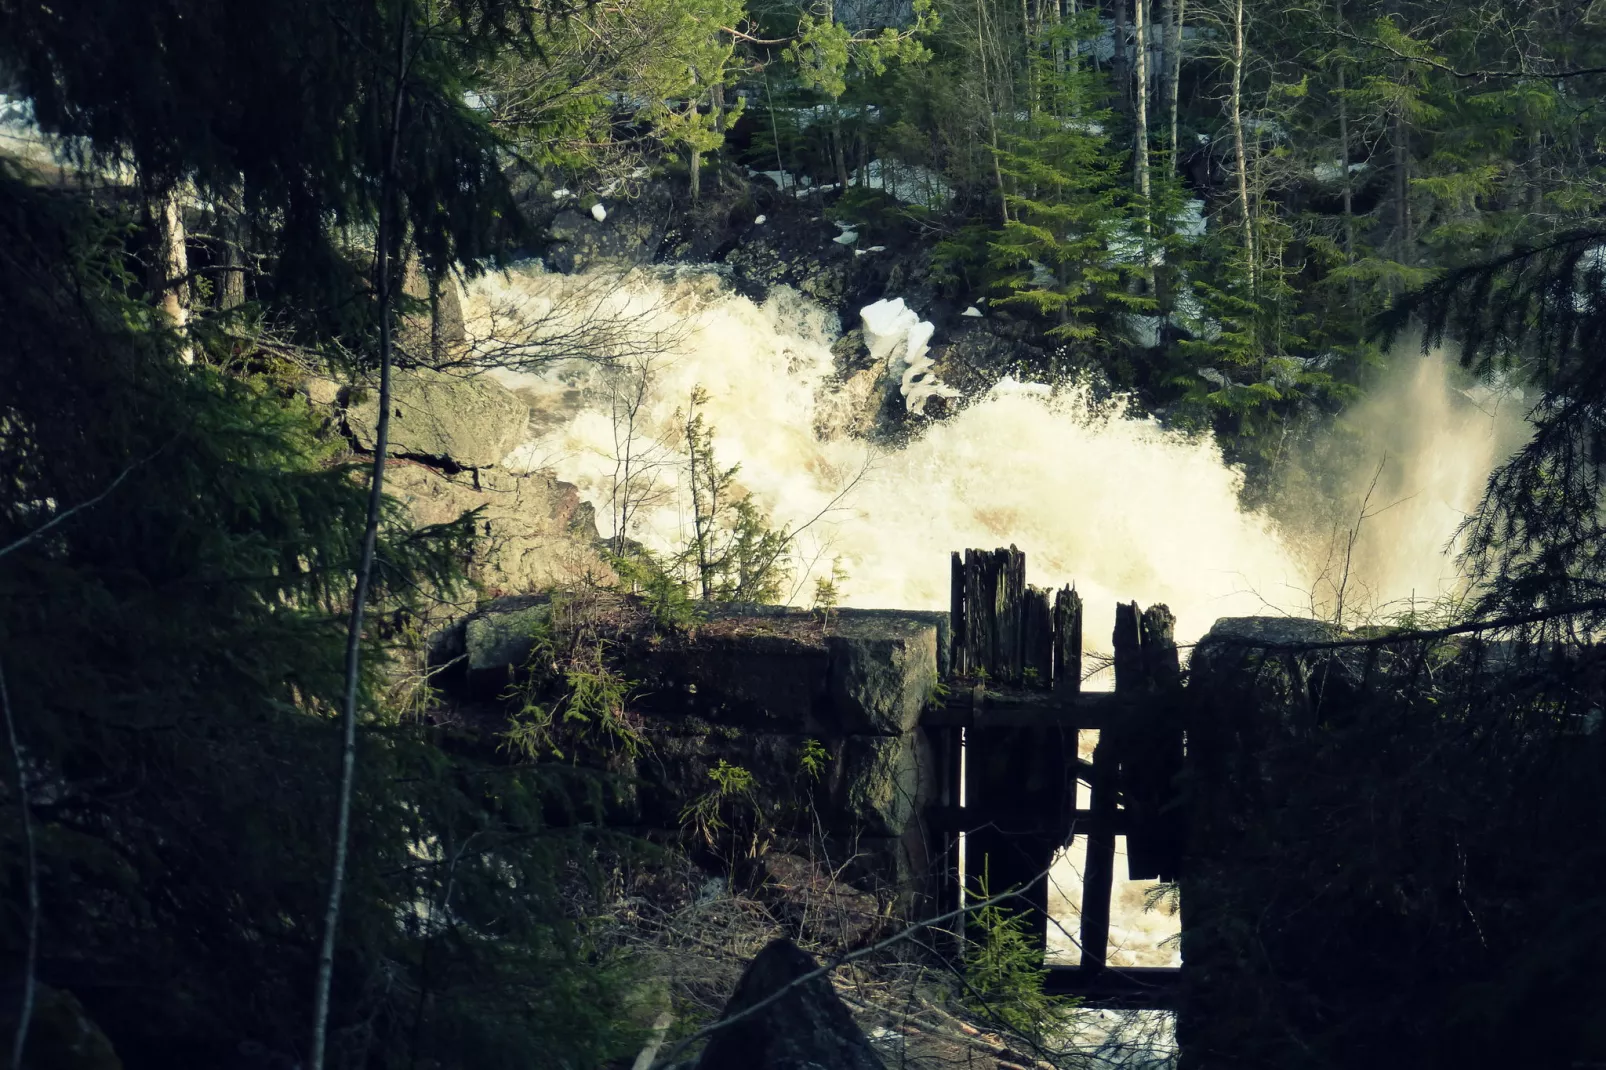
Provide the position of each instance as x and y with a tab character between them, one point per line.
535	532
882	672
471	422
881	776
1254	630
485	652
806	1028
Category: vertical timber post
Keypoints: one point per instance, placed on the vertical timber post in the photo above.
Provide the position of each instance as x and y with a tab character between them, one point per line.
1037	639
1098	874
1068	641
957	663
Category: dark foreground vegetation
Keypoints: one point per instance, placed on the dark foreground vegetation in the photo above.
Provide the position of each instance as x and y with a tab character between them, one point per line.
229	837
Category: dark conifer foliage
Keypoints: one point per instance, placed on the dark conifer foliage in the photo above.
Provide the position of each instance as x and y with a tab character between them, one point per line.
1535	316
289	101
172	653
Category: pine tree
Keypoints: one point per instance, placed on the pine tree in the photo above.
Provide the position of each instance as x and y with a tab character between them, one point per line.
1068	210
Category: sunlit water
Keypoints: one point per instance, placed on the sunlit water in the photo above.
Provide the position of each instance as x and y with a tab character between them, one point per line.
1117	504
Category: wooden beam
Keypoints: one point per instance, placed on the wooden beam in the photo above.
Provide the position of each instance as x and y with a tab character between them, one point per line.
1028	709
1067	641
970	818
1136	987
957	663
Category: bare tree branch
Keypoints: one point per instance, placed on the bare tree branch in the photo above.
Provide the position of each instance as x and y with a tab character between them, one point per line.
25	1014
841	960
61	517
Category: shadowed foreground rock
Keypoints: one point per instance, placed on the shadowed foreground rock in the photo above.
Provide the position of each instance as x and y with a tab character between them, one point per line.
808	1028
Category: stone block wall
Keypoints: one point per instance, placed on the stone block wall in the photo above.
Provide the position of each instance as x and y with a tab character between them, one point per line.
752	686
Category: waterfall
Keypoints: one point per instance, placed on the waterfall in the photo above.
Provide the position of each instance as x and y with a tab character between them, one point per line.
1094	494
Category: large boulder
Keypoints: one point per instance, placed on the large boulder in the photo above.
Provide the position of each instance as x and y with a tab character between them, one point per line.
469	422
535	532
882	672
867	672
61	1034
809	894
805	1027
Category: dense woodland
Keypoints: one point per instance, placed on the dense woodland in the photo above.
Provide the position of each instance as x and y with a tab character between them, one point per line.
225	832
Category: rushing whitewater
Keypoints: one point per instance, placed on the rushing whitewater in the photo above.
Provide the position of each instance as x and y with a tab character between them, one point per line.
1117	504
1125	509
1120	506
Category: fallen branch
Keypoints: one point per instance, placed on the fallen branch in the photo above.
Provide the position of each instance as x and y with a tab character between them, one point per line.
842	960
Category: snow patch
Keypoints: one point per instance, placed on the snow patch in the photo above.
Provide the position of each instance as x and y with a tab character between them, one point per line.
895	333
598	212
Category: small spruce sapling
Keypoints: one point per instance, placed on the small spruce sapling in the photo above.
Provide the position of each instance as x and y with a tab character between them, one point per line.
828	591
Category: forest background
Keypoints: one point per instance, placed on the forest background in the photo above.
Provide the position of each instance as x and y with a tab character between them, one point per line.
1208	202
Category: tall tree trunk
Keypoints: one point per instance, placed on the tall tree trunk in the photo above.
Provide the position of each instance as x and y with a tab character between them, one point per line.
839	153
30	962
694	165
1057	16
1073	47
171	269
1140	101
1175	94
1140	112
231	225
1025	80
1239	152
1402	189
716	100
384	286
1343	158
1119	64
992	110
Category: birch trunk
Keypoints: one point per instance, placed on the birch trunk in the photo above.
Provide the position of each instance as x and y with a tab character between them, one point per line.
172	269
987	102
1402	190
384	292
1241	155
1140	101
1343	157
1118	63
1176	79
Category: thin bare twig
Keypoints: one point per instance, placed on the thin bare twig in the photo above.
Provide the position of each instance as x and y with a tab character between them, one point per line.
365	564
67	514
25	1015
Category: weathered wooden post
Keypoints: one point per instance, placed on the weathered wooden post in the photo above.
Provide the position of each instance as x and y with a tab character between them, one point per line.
1037	639
1098	872
958	647
1068	641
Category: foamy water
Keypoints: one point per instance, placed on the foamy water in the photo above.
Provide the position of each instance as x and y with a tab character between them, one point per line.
1122	507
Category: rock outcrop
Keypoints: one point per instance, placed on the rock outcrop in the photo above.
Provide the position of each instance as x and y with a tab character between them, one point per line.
805	1028
629	233
467	422
535	532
